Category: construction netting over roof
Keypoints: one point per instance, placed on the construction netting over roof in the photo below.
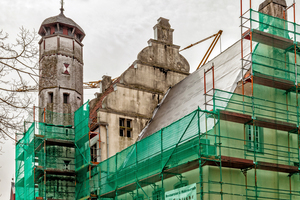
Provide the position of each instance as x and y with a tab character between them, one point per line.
188	94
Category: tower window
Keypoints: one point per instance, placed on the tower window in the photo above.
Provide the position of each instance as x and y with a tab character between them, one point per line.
70	31
78	36
66	98
50	97
94	153
125	127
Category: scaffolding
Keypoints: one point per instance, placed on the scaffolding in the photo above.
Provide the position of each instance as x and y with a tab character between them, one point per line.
253	138
53	157
240	147
194	143
45	157
86	170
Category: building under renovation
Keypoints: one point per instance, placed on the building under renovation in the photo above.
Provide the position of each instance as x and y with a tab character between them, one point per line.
229	130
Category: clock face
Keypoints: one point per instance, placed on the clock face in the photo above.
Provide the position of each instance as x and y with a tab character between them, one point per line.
66	68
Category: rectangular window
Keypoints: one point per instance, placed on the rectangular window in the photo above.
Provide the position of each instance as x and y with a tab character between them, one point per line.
66	98
128	133
254	137
94	153
121	122
125	127
50	97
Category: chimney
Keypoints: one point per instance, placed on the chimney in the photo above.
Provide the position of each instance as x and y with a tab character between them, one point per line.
274	8
105	83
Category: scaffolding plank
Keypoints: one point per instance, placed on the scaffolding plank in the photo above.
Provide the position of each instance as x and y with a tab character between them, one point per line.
234	117
275	124
272	81
271	40
60	172
237	163
56	142
259	121
277	167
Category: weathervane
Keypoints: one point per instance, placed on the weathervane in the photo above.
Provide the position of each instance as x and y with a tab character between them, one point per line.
62	6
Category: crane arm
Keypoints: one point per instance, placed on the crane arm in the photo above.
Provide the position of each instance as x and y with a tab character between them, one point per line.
198	42
210	49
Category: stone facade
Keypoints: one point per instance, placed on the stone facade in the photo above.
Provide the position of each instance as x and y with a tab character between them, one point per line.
61	67
134	95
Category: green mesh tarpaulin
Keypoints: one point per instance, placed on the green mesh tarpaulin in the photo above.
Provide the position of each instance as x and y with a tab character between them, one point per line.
172	146
25	165
86	177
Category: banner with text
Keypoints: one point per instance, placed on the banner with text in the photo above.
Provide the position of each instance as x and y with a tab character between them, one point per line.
184	193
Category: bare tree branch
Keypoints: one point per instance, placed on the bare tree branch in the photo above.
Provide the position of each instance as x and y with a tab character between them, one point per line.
18	69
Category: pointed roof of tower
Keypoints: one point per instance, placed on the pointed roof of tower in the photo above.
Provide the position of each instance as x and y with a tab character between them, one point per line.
61	18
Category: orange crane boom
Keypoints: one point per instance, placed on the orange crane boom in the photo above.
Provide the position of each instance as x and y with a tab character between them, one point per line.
210	49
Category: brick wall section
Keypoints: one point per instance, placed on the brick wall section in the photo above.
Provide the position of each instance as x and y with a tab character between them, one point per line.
93	112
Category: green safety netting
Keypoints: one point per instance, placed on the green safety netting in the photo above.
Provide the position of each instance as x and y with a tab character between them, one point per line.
273	25
33	156
275	61
54	118
25	160
61	132
268	106
86	172
170	147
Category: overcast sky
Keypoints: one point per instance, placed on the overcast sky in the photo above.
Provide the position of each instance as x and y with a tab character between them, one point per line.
117	30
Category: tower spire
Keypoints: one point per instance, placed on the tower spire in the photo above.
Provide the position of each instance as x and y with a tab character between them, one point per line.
62	6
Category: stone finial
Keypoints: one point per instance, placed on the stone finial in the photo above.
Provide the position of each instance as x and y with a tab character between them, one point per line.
163	31
274	8
62	6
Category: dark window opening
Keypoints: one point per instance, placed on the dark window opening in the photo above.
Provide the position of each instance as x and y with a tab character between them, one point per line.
128	133
67	132
121	122
50	97
78	36
47	31
128	123
94	153
70	30
66	98
121	132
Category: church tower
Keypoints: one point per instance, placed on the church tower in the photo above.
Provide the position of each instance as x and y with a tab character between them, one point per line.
60	67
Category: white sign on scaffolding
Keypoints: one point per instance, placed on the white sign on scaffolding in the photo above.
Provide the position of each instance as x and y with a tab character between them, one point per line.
184	193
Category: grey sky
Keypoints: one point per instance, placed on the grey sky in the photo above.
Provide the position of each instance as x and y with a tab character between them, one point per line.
117	30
